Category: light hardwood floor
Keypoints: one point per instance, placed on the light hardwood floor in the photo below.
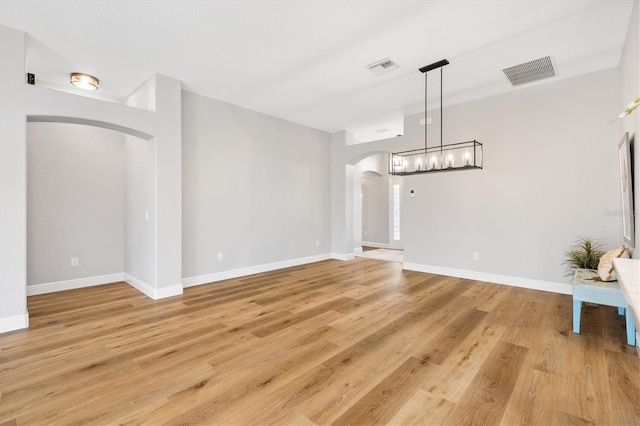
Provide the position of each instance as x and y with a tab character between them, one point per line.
357	342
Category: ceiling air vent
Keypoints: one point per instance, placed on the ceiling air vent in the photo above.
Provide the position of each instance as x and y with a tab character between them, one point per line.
535	70
383	66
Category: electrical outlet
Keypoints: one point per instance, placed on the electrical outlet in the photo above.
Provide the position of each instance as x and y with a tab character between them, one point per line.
317	243
74	262
220	257
476	256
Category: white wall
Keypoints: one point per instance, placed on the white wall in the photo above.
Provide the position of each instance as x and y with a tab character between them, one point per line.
375	208
550	176
255	188
21	103
548	150
629	74
13	182
75	202
139	212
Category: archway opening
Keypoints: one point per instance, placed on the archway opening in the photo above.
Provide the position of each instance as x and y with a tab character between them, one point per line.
90	204
377	209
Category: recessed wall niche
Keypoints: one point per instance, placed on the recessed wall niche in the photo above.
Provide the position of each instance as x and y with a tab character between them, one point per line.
82	212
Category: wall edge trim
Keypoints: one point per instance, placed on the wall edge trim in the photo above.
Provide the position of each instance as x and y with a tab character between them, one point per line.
377	245
56	286
250	270
553	287
152	292
343	256
16	322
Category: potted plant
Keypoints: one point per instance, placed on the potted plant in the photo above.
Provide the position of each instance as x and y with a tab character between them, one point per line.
584	254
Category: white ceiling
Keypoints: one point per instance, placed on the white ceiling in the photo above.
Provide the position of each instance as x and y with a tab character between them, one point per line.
305	61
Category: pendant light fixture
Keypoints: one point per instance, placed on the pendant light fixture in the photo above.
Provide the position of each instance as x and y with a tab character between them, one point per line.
443	158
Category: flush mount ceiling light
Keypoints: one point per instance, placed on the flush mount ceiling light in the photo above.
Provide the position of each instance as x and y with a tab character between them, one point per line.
84	81
443	158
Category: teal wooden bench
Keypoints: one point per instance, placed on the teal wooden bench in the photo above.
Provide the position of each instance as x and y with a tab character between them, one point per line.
586	288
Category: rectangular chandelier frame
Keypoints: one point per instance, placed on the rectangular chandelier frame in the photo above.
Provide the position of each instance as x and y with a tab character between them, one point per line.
445	158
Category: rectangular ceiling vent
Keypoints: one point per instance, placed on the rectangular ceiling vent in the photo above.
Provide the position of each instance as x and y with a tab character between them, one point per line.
382	66
531	71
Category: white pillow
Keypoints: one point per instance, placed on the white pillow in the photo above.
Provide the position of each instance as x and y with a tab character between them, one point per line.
605	267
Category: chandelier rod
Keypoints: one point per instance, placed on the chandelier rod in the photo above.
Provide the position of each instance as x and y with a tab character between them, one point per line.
425	112
441	114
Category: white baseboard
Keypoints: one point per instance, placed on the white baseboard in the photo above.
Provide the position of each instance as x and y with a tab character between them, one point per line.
376	245
44	288
17	322
164	292
152	292
343	256
357	250
562	288
250	270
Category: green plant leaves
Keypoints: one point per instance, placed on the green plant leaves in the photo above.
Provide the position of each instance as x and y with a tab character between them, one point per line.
585	253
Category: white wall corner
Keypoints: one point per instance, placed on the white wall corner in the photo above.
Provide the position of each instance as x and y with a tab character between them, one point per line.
357	250
152	292
553	287
343	256
16	322
250	270
52	287
164	292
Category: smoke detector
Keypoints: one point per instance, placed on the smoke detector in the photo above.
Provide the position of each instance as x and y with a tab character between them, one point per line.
382	66
528	72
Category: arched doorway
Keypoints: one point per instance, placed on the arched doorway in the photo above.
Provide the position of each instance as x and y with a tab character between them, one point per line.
377	209
90	204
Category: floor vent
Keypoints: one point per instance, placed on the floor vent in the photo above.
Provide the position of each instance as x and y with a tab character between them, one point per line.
382	66
535	70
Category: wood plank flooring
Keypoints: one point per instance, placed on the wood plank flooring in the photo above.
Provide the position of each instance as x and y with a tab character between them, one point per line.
345	343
